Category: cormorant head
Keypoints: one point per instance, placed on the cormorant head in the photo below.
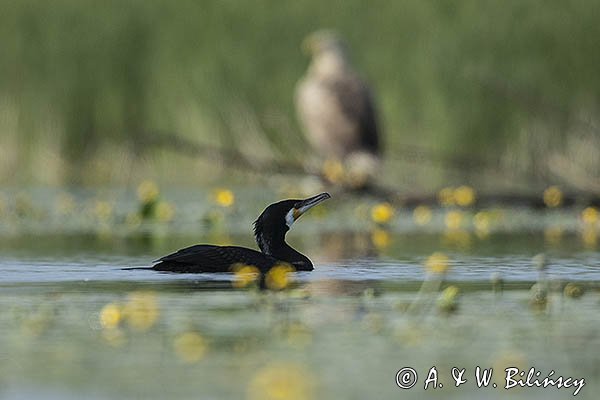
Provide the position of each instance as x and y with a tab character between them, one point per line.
274	222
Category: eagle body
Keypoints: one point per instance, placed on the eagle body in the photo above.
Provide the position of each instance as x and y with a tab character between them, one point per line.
335	108
337	116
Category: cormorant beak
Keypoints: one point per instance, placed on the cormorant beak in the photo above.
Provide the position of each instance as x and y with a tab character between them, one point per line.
304	205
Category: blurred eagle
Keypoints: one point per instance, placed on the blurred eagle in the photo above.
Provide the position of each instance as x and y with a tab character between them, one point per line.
336	112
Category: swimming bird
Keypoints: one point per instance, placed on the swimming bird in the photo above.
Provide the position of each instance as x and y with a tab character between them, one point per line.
336	111
269	231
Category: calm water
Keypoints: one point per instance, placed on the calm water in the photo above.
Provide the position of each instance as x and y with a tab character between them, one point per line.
337	255
465	268
76	323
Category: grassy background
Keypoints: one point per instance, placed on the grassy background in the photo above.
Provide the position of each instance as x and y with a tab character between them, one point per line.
509	87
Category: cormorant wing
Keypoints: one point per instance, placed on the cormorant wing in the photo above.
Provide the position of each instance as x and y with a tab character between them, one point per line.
184	254
204	257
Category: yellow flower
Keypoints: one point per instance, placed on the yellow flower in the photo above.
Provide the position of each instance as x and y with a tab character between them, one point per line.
278	277
110	316
382	213
141	310
381	238
553	197
422	215
244	275
448	299
165	211
573	290
446	197
450	292
282	381
590	215
190	347
224	197
464	196
147	191
437	263
453	219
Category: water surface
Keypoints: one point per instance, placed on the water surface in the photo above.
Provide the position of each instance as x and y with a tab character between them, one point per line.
343	330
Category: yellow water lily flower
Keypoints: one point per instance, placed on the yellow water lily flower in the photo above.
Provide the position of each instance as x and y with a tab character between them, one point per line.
446	197
422	215
553	197
381	238
244	275
382	213
437	263
224	197
147	191
141	310
110	316
454	219
590	215
464	196
282	381
278	277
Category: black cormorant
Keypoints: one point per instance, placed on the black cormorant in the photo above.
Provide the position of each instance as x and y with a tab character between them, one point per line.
269	230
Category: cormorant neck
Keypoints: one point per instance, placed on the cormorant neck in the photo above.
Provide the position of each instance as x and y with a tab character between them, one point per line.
269	237
287	253
272	242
